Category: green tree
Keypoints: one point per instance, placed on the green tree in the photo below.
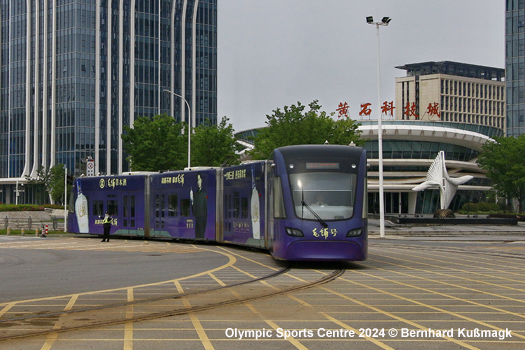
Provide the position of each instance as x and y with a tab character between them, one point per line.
294	126
48	183
56	187
155	144
214	145
39	184
504	161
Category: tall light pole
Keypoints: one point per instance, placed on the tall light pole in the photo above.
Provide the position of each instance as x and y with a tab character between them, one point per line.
384	22
17	191
65	198
189	123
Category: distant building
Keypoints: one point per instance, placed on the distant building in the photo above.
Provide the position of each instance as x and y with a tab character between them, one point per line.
409	149
515	61
73	73
451	92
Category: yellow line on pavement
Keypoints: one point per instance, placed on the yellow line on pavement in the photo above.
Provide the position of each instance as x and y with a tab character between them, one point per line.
128	326
295	342
6	308
391	315
455	277
195	320
432	292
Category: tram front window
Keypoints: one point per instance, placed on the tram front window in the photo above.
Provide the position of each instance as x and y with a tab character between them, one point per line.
329	195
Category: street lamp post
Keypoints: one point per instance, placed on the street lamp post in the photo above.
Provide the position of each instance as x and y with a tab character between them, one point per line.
65	198
17	191
384	22
189	123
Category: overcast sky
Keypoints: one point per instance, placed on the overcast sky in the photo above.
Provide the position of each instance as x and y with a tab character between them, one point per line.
274	53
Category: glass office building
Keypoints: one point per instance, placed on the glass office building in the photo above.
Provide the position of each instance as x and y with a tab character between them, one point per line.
73	73
515	60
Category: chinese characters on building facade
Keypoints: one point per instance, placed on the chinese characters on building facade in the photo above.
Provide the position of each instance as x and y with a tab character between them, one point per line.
387	108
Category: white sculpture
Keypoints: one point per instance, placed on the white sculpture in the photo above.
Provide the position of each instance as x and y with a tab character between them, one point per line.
437	177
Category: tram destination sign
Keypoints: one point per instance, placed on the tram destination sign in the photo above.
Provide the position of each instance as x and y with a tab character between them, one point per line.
322	166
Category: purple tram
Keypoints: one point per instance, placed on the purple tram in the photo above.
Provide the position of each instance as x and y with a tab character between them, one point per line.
305	202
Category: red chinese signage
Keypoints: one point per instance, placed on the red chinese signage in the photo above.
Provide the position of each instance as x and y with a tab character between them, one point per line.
343	110
387	108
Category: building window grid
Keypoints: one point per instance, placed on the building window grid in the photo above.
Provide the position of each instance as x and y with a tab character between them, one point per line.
70	95
486	105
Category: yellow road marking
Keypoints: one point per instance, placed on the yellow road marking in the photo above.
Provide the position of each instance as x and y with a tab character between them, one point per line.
450	268
295	342
128	326
456	277
195	321
389	314
432	292
6	308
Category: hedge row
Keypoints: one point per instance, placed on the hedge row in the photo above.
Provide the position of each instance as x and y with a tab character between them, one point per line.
28	207
482	207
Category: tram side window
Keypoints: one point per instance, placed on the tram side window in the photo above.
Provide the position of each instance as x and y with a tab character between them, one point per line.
132	206
125	207
98	208
132	211
185	207
125	210
113	207
228	205
244	208
236	204
278	201
172	204
159	206
71	206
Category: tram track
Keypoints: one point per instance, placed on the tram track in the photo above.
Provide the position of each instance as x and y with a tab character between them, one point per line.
135	311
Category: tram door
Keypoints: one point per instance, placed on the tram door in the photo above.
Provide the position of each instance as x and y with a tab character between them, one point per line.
129	220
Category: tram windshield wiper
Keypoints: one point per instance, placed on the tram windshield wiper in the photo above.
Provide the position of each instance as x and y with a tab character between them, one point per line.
321	221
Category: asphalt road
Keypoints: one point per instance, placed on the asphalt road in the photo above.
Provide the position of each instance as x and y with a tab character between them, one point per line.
86	265
414	292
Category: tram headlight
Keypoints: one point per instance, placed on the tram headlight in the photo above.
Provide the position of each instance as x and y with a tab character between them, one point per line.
293	232
355	233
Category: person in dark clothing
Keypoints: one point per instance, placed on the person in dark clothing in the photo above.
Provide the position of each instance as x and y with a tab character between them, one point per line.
106	223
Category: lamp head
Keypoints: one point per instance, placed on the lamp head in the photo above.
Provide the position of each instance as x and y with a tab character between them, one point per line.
386	20
369	19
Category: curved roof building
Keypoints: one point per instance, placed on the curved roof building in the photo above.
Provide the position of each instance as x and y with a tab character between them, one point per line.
409	148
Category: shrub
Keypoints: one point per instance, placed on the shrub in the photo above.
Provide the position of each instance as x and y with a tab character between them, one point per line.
469	207
480	207
21	207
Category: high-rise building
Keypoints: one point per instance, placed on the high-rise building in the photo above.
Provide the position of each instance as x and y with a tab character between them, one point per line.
73	73
452	92
515	60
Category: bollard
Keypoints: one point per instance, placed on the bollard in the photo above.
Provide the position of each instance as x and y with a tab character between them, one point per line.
36	232
8	231
22	232
45	231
